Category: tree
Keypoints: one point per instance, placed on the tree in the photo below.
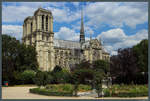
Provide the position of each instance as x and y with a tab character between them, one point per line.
101	69
141	51
9	55
83	72
131	64
83	76
27	76
123	66
61	75
16	58
87	73
42	78
98	77
83	64
57	69
101	65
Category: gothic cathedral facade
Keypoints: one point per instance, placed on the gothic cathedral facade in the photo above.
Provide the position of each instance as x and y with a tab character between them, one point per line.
38	31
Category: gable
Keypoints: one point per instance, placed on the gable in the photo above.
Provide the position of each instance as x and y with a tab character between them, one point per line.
96	44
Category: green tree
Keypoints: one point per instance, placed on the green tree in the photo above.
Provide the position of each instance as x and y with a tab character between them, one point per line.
131	64
141	51
124	66
42	78
98	77
93	74
61	75
83	76
57	69
101	69
27	76
16	58
101	65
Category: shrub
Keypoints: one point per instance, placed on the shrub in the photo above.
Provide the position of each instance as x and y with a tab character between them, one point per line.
50	93
27	76
62	76
60	87
84	87
107	92
42	78
127	91
57	69
67	87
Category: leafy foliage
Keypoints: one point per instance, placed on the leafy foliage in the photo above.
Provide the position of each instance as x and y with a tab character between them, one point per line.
49	92
126	91
98	77
57	69
61	75
141	51
42	78
101	65
27	76
131	64
16	58
124	65
92	74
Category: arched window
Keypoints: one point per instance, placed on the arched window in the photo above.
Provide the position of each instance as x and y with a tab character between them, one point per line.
42	22
42	37
31	27
47	23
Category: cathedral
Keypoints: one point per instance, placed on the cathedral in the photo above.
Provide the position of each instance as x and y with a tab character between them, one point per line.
38	31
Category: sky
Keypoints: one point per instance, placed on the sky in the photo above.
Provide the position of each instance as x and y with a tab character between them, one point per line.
115	24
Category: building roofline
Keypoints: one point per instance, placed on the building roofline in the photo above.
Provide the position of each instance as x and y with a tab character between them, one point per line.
66	40
29	17
42	9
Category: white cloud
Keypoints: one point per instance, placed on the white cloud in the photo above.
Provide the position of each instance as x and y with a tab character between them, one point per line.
64	15
16	14
116	14
116	38
67	34
112	36
12	30
98	13
60	12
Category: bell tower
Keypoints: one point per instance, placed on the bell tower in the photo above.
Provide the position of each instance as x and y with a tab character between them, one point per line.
38	31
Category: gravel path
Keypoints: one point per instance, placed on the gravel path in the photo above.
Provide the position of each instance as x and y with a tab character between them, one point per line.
23	93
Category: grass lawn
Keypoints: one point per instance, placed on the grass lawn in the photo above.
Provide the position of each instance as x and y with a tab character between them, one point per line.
127	91
25	85
59	89
114	91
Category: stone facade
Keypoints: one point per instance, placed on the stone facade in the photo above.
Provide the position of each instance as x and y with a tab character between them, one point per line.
38	31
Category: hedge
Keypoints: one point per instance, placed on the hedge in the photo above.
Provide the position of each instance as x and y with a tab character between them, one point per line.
43	91
126	91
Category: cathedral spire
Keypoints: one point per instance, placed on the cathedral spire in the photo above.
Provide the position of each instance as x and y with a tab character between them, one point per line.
82	36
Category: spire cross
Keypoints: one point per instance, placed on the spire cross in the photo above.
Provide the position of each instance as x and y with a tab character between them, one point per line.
82	26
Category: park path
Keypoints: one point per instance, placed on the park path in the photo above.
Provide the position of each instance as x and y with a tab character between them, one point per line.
23	93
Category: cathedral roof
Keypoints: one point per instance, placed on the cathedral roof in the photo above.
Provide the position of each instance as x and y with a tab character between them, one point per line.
66	44
86	44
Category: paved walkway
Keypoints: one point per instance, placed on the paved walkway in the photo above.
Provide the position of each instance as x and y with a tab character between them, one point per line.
23	93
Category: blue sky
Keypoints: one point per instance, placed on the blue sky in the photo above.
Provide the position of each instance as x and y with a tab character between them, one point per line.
116	24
